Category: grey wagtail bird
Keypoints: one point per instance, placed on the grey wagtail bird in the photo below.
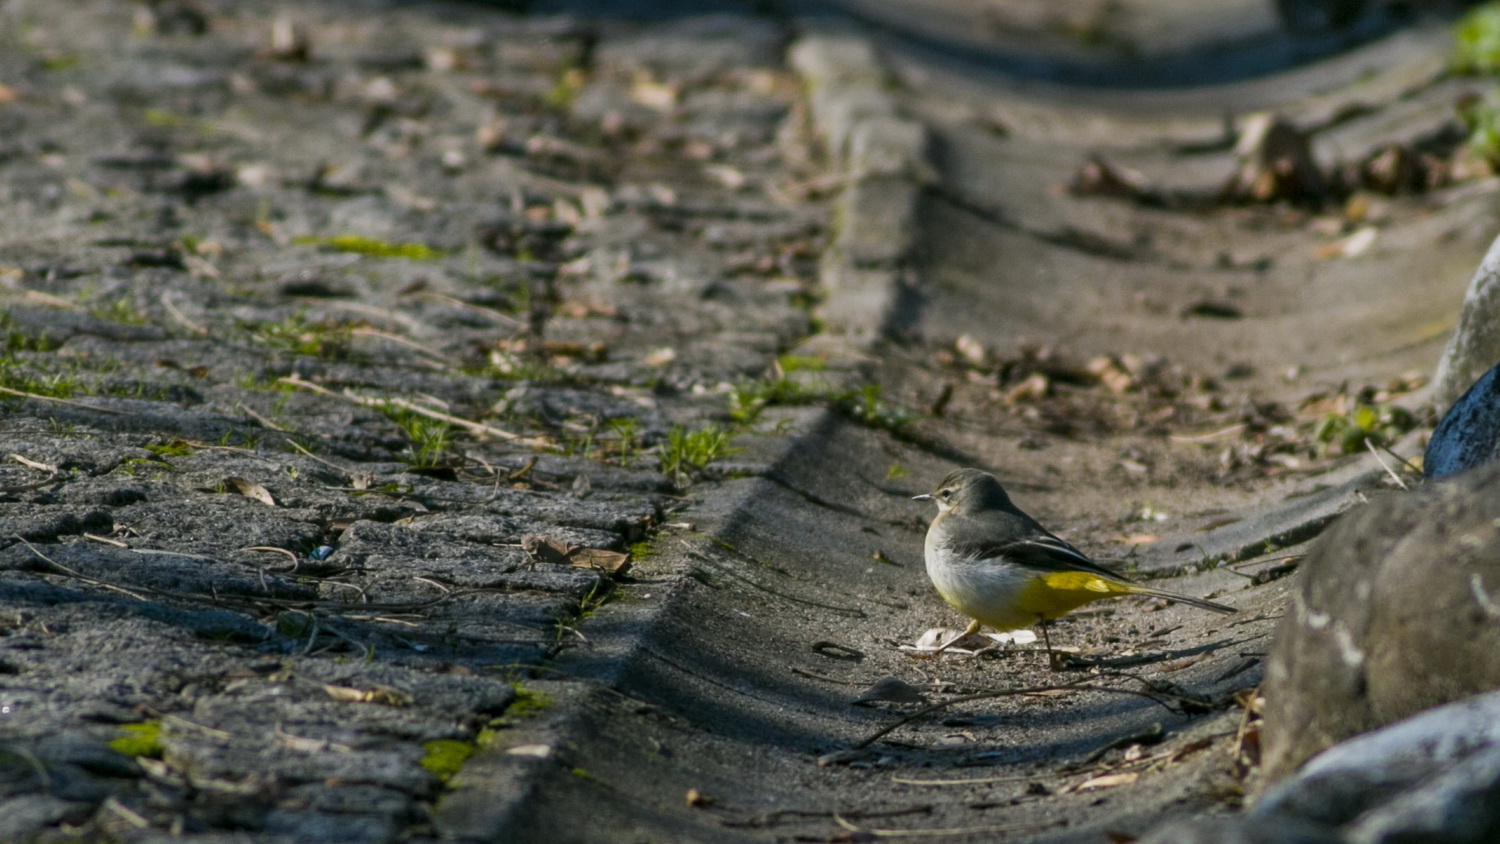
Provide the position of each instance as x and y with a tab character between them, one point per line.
1001	568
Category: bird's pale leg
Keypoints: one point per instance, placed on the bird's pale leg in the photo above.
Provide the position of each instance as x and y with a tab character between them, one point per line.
1053	662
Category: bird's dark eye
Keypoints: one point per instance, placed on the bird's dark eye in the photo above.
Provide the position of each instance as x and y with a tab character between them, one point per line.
945	494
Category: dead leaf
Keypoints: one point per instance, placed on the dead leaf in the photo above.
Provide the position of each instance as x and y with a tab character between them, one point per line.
970	350
1108	781
1352	246
660	357
1139	539
1035	387
584	310
1180	664
1276	162
1189	749
594	352
289	41
379	695
1115	376
1098	177
558	552
730	177
937	636
533	751
251	489
657	95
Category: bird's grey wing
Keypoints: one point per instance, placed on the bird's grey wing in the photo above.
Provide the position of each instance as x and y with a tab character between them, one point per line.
1025	542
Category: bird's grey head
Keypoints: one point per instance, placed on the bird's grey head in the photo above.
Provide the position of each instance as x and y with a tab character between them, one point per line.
967	490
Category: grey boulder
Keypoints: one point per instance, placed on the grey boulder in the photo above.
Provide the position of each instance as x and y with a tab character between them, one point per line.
1398	610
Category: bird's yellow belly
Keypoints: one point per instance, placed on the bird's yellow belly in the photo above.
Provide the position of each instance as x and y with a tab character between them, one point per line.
1006	596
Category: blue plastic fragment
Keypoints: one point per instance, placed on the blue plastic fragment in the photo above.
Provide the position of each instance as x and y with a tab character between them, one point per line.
322	552
1469	435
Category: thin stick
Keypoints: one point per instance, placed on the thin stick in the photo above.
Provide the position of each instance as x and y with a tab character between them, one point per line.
1404	462
25	395
473	427
961	830
989	695
1213	435
166	302
336	467
968	781
1386	466
459	303
396	338
249	411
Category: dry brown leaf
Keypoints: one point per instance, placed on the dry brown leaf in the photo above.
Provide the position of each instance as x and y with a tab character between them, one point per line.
559	552
1033	388
1100	177
970	350
655	95
660	357
379	695
251	489
1109	780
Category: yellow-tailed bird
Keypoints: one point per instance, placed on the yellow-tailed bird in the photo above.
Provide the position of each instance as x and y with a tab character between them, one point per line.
1001	568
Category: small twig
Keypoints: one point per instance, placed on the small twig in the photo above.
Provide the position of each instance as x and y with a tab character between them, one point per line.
34	464
989	695
1404	462
265	423
166	302
441	586
396	338
1386	466
965	781
105	540
852	612
52	474
180	722
1151	735
312	637
1214	435
333	466
273	550
472	427
74	573
1259	560
459	303
961	830
78	404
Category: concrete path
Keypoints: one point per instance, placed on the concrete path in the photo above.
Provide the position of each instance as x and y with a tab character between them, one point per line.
351	348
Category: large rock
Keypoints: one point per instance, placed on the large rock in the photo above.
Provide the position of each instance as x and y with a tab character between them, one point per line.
1475	344
1432	777
1398	611
1469	435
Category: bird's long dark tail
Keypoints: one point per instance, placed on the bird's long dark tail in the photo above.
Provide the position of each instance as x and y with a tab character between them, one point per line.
1138	589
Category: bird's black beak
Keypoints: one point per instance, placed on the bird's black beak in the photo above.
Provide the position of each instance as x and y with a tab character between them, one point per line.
926	496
